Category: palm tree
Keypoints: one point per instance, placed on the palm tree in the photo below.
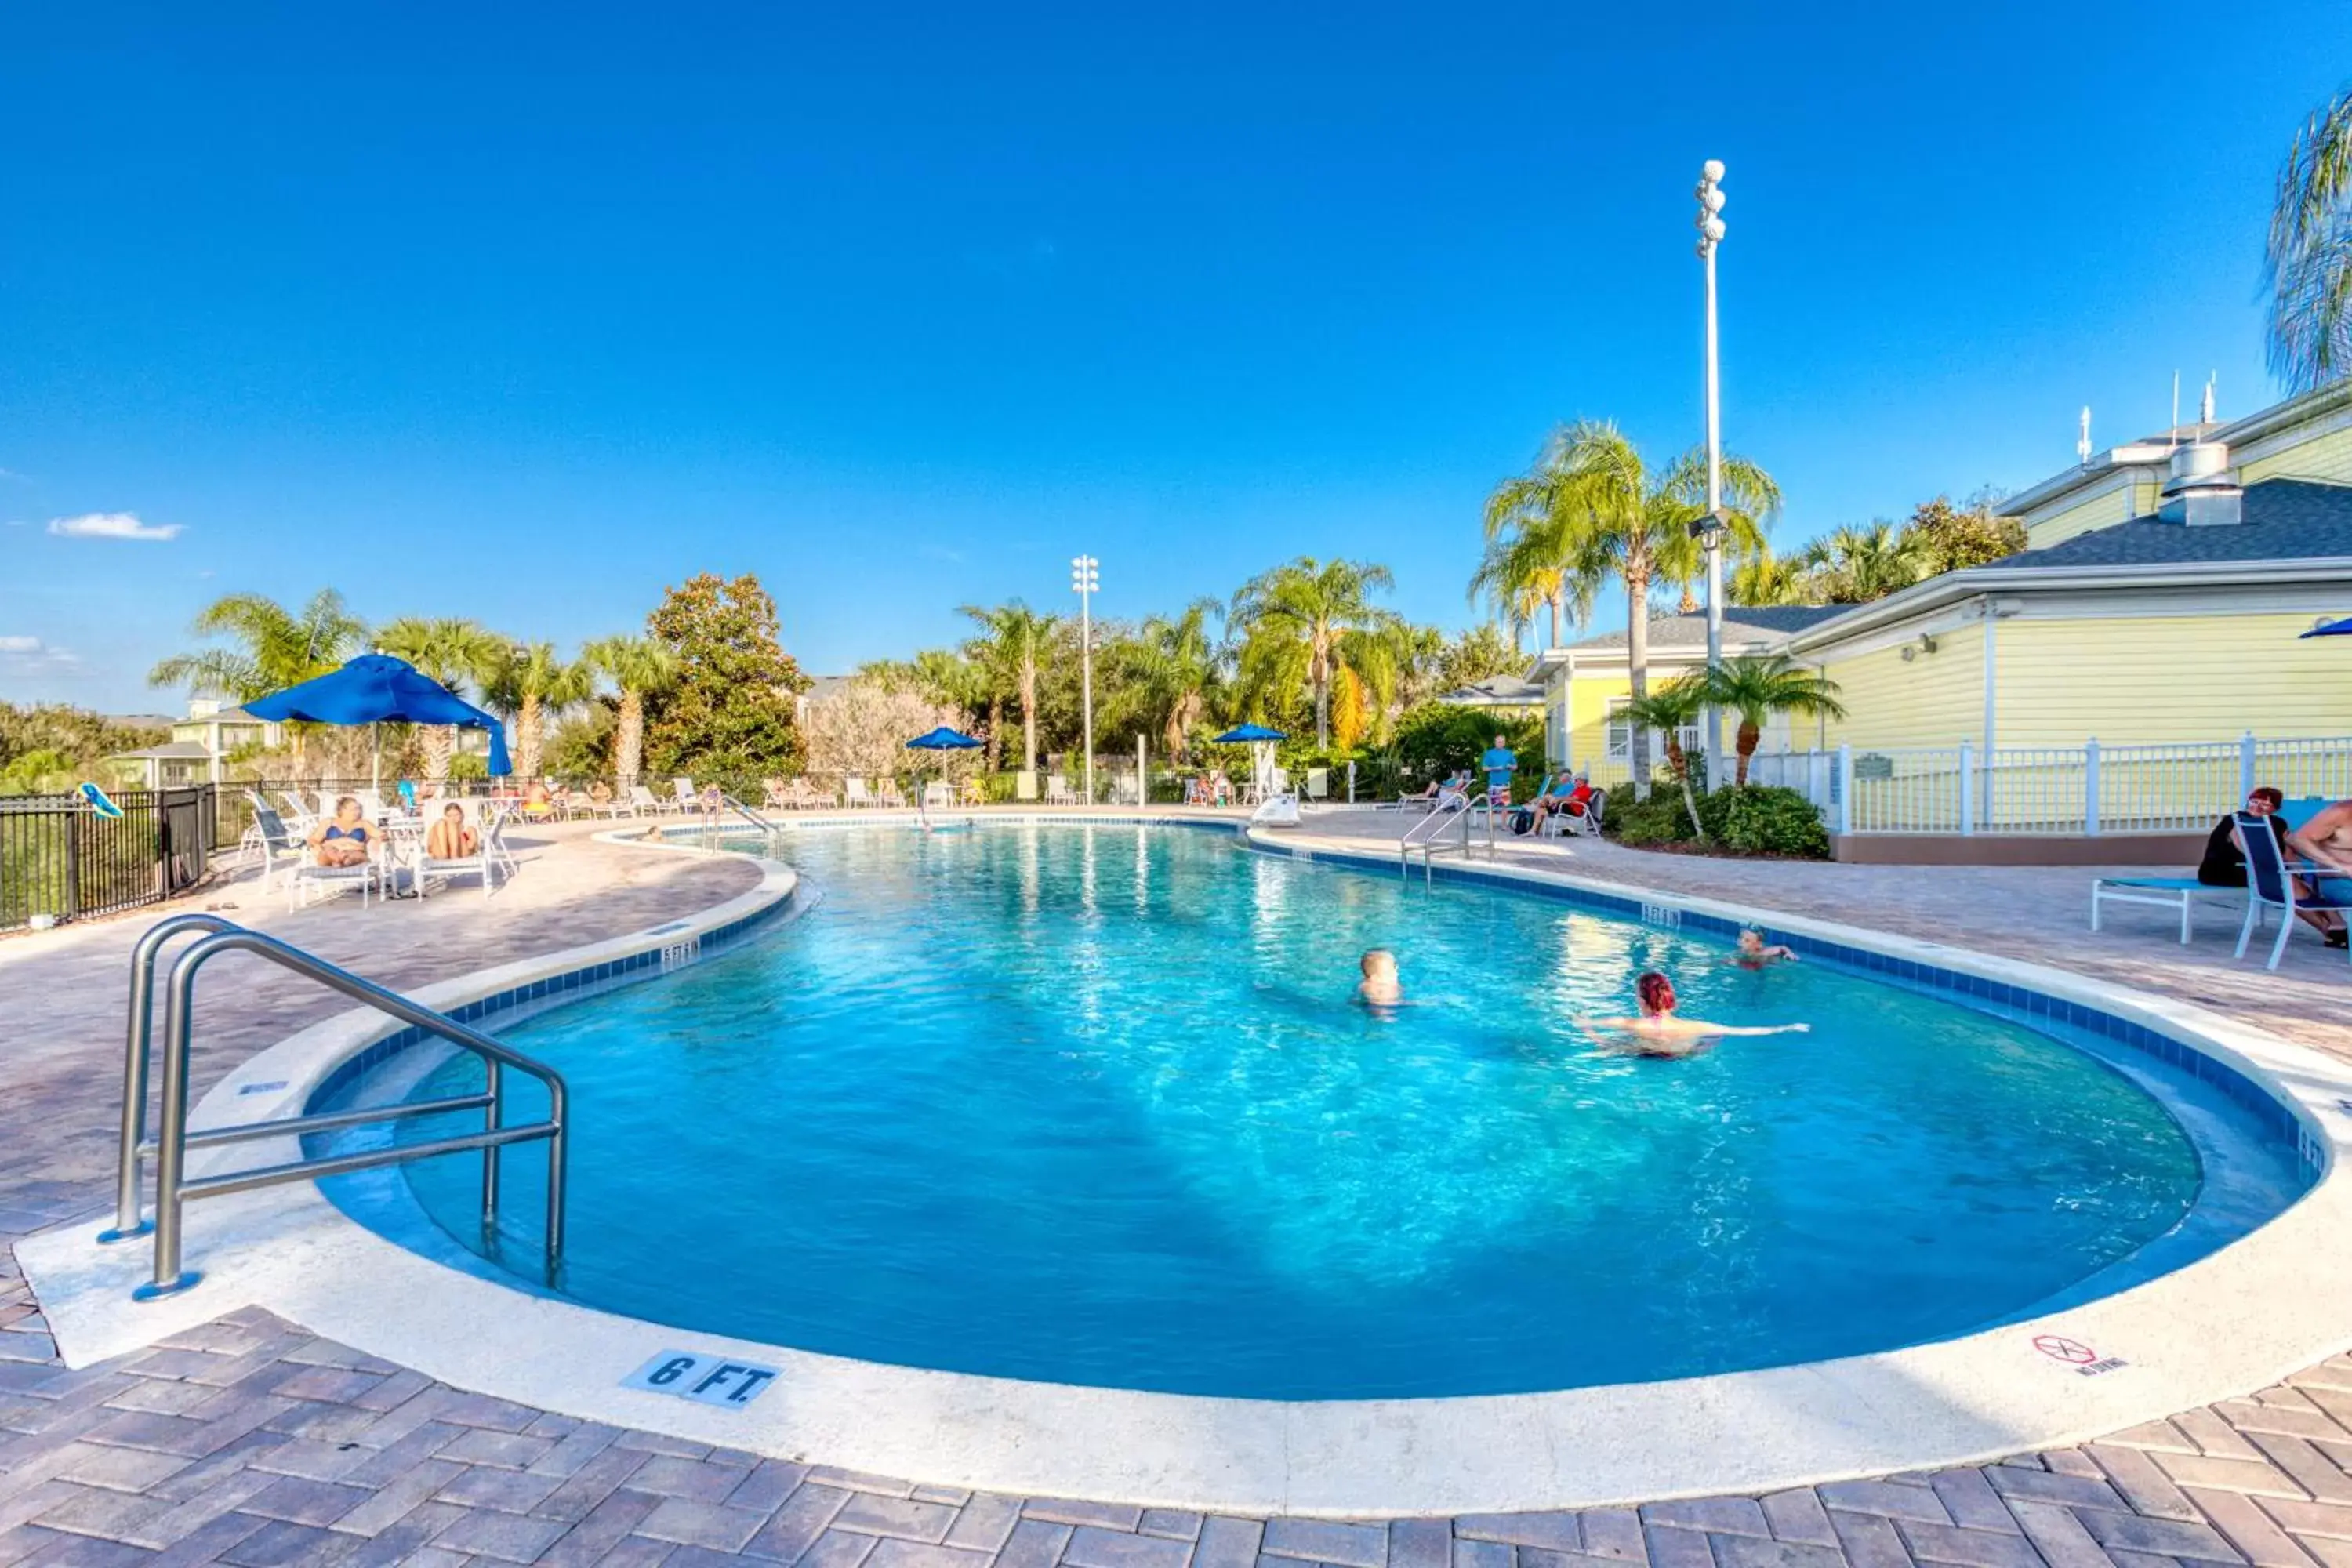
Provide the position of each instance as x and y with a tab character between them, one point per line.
1163	675
636	667
1309	619
1012	641
533	684
1758	688
1667	713
1767	579
1595	506
2310	252
455	652
1867	563
1522	571
274	647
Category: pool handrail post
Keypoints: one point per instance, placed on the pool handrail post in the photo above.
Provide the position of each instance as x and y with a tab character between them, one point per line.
172	1186
128	1219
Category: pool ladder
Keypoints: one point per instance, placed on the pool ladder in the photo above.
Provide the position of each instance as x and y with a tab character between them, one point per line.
174	1188
1427	836
773	834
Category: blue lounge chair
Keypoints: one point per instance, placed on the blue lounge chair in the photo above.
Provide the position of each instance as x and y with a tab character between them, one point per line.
2270	886
2163	893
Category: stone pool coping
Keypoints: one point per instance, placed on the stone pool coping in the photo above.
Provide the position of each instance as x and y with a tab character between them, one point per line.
2235	1321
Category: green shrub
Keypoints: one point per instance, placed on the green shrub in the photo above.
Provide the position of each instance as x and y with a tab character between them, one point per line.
1750	819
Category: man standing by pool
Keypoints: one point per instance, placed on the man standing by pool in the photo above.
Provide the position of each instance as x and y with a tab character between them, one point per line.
1499	762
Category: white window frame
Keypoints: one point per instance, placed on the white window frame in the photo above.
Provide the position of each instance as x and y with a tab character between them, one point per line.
1617	733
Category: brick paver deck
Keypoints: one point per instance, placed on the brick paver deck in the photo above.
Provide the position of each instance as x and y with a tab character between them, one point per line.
251	1442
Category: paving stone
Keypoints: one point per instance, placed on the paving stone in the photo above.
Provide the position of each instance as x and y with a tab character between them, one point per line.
1413	1543
2228	1475
1036	1543
666	1475
406	1537
306	1502
510	1491
1551	1531
1091	1546
2173	1539
1979	1548
839	1549
1067	1511
859	1481
1796	1515
1177	1524
591	1483
2253	1533
279	1544
1748	1551
207	1542
795	1527
2058	1535
2043	1486
901	1517
1869	1540
507	1537
895	1553
1481	1553
1969	1499
1888	1499
1350	1545
764	1489
1228	1542
313	1459
954	1497
396	1496
2312	1470
637	1551
2305	1422
692	1524
2310	1518
2215	1436
509	1450
1673	1548
1733	1515
2143	1481
606	1526
1614	1532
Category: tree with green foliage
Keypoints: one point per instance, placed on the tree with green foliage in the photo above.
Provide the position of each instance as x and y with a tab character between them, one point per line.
1666	712
1011	642
2309	254
462	655
1162	676
535	684
1306	620
1758	687
727	715
1474	654
271	647
1951	537
1593	504
638	667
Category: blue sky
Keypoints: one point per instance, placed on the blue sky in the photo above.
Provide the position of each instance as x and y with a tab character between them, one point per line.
470	314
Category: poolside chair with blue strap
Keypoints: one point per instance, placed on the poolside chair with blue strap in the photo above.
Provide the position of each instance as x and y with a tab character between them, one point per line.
2163	893
2270	886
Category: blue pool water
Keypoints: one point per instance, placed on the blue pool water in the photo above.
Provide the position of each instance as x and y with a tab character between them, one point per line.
1093	1105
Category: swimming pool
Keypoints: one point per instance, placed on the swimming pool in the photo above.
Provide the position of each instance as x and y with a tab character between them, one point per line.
1091	1104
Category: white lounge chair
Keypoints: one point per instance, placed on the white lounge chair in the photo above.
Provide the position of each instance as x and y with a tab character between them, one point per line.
939	795
858	794
888	793
682	795
490	860
270	840
642	802
1058	791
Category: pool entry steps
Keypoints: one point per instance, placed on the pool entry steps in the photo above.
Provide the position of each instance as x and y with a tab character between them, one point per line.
174	1188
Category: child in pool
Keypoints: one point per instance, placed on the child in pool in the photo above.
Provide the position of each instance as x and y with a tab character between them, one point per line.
1753	953
1380	986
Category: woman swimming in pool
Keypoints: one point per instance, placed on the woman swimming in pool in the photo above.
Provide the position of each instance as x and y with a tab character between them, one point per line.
1657	1032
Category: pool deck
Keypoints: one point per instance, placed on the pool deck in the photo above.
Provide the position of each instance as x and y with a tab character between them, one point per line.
249	1441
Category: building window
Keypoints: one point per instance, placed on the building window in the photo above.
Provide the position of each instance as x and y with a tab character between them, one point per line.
1619	734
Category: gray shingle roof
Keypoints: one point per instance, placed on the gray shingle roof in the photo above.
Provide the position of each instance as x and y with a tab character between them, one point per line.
1742	623
1501	691
2286	520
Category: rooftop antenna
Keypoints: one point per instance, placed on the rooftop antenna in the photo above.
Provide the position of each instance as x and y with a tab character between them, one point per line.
2083	443
2176	409
2205	414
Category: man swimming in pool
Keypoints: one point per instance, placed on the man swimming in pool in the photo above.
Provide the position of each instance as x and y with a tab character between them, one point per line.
1380	986
1754	953
1656	1031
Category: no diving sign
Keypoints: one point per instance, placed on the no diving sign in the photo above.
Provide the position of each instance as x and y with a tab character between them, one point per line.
705	1379
2075	1356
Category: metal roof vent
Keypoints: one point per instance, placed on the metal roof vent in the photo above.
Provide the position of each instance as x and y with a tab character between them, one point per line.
2202	492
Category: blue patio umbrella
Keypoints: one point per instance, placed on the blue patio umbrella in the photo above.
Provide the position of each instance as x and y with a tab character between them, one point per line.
2342	628
943	739
376	689
1249	733
1260	741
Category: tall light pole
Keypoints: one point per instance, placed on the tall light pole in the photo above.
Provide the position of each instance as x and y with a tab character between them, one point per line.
1086	584
1710	527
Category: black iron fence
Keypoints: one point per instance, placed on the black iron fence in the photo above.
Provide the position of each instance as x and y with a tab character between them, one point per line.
60	859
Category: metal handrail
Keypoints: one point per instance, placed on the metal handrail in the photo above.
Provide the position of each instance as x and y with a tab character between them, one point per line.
772	830
1423	836
173	1185
128	1221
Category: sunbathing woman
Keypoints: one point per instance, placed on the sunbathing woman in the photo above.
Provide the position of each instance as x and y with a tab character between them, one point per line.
450	838
346	838
1657	1032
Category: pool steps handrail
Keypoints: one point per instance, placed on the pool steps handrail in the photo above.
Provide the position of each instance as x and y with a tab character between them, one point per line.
1426	834
173	1187
773	831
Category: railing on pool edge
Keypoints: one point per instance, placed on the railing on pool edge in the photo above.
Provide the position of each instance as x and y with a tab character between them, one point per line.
173	1188
1425	835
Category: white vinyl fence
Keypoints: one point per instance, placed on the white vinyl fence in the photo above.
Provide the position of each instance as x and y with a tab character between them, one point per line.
2085	789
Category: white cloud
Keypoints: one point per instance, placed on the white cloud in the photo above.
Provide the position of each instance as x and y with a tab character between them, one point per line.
111	526
24	654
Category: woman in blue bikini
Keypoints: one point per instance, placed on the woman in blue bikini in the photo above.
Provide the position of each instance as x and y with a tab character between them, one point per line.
347	840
